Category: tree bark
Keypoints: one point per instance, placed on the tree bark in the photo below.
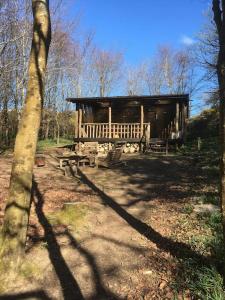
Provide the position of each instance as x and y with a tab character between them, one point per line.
18	204
58	127
219	18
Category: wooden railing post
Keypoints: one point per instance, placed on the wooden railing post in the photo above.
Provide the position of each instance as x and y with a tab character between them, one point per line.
147	134
177	119
185	110
76	124
110	122
80	122
142	121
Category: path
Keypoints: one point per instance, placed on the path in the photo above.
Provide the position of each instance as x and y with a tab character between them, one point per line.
126	248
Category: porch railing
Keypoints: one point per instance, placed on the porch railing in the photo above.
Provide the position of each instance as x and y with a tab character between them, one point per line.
113	130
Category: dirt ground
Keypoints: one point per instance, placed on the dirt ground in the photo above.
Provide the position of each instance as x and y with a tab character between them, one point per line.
130	240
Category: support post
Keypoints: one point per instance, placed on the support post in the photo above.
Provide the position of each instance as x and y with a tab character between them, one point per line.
76	124
142	121
147	136
110	122
80	122
177	119
185	122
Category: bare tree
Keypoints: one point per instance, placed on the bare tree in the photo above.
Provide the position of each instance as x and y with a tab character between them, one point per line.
107	66
172	71
135	80
154	77
18	204
207	53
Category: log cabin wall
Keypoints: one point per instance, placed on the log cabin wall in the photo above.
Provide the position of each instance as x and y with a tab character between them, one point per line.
160	116
166	114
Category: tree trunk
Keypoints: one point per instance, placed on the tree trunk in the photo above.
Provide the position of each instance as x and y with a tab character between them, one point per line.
5	115
18	204
58	128
219	18
47	129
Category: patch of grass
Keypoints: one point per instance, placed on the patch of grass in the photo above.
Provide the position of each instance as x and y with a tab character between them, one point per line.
71	215
215	221
48	143
204	283
209	199
212	220
188	209
200	243
214	242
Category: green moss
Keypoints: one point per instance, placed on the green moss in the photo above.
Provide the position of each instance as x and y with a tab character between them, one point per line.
30	270
71	215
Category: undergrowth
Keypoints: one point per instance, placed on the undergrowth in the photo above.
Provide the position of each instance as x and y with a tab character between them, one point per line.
202	282
50	143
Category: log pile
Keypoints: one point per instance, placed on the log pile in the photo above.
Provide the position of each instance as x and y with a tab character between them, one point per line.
103	148
131	148
128	148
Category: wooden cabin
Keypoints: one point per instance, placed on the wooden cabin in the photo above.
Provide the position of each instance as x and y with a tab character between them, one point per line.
130	118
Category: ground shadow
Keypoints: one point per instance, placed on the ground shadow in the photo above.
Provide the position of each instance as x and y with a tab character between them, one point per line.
100	291
147	178
39	295
177	249
69	285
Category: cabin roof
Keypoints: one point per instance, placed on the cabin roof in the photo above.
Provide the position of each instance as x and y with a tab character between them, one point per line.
92	100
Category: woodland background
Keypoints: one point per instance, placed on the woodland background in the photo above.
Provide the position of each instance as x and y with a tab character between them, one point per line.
77	67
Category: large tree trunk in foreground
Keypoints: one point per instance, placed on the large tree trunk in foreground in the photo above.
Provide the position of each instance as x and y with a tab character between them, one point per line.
18	204
219	18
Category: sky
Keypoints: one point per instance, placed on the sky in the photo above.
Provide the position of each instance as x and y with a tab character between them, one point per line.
138	27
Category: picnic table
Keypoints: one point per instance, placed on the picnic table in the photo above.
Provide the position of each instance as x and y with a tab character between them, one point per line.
72	161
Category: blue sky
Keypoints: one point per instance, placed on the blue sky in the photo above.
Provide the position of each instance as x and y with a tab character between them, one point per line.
138	27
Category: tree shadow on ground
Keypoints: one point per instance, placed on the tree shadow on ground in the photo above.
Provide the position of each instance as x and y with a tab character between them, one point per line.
39	295
145	179
100	291
177	249
69	285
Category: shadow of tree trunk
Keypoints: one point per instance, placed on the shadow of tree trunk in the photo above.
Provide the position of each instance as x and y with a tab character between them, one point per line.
69	285
100	291
38	295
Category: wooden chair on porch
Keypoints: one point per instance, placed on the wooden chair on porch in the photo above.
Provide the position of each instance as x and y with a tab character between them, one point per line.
112	159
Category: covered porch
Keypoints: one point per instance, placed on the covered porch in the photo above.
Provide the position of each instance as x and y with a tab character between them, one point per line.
131	118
